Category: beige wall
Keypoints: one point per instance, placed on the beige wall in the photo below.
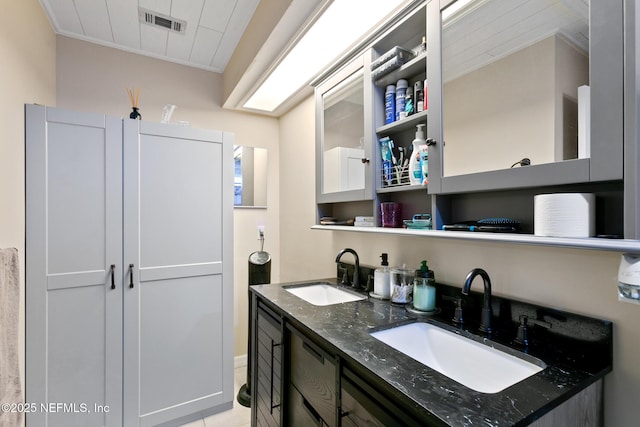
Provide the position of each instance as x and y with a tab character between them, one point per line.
308	253
581	281
94	78
27	49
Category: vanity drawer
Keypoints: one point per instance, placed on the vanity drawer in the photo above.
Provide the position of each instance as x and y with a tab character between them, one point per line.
301	412
313	374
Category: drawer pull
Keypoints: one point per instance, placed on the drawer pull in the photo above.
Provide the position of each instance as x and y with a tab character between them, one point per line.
311	412
271	405
315	353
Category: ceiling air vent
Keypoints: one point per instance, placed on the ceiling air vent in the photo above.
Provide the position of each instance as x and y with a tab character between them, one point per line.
162	21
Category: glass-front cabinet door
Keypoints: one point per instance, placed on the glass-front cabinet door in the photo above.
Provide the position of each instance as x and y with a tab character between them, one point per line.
530	93
343	136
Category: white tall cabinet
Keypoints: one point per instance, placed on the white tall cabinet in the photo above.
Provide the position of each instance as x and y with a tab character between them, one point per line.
129	285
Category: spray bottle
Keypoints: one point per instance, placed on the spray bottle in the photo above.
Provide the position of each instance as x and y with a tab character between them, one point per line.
415	162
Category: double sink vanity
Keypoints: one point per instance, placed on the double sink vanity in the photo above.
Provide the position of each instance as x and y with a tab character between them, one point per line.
328	355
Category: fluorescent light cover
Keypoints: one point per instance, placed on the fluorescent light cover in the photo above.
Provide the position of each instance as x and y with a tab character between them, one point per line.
341	25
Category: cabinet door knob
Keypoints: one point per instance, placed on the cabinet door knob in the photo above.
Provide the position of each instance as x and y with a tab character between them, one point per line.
364	160
131	275
431	142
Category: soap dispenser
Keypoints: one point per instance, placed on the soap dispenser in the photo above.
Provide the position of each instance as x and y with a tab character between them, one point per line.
424	289
381	279
415	163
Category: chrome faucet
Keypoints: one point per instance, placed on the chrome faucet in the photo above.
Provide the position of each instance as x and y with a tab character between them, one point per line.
485	320
356	274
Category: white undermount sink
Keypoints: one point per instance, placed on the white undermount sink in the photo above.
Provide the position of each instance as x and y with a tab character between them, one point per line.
472	364
323	293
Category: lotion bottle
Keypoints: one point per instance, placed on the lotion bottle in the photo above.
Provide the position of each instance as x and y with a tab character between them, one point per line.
415	163
381	279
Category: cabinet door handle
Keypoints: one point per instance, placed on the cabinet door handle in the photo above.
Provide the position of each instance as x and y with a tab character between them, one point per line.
131	275
113	276
271	405
315	353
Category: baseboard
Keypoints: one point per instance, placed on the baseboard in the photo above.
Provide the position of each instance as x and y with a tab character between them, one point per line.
240	361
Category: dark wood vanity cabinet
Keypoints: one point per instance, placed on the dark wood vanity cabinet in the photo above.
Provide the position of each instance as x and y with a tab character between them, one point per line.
301	379
268	378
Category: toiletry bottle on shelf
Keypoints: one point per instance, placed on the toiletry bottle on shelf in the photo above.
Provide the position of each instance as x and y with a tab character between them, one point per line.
401	90
425	96
424	289
418	95
424	163
381	279
385	154
390	105
409	106
415	162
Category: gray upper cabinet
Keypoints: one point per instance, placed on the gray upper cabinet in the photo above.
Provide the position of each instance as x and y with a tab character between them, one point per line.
344	134
523	97
516	80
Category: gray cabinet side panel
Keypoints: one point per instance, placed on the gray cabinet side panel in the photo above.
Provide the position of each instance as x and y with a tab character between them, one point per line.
632	114
607	89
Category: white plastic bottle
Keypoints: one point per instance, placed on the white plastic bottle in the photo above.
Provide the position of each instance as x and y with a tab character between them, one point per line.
381	279
415	164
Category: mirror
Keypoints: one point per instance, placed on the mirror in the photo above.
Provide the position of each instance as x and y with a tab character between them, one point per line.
511	73
250	176
343	127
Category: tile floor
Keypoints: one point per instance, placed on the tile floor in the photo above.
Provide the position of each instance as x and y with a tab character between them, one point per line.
238	416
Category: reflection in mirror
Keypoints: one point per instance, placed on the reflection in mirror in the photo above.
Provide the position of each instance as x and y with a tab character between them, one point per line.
511	73
250	176
343	119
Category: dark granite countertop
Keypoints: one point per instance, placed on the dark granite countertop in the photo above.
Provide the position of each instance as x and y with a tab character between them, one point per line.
577	352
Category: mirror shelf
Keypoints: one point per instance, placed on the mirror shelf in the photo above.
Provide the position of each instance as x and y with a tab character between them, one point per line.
404	124
567	172
413	67
401	188
618	245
